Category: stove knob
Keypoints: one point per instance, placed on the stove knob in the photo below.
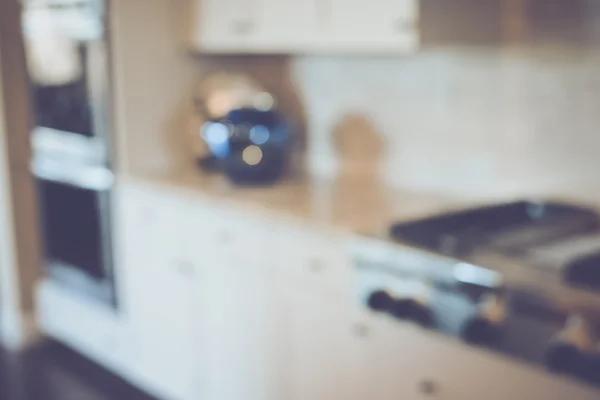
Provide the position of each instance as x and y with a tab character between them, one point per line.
380	300
592	372
485	327
412	310
568	350
415	303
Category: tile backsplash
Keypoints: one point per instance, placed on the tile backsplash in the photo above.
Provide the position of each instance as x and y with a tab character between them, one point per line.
486	122
470	117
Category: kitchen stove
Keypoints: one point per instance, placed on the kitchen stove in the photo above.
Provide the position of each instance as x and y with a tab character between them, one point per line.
519	279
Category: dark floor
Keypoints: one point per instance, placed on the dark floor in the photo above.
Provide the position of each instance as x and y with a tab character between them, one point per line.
53	372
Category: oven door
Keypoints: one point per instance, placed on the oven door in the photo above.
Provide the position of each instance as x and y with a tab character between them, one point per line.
67	58
76	232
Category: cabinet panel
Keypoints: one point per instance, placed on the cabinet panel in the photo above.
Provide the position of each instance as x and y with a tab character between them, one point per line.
289	25
238	313
469	373
239	325
371	25
224	25
157	291
391	362
256	26
319	262
408	362
327	352
217	237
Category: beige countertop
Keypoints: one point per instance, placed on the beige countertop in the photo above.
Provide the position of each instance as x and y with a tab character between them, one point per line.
350	205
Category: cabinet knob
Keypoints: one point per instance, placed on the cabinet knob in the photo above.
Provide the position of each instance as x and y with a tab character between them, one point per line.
243	27
185	269
316	265
360	331
428	387
403	25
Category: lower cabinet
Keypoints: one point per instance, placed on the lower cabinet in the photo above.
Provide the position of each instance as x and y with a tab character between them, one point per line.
408	362
157	293
238	319
327	352
393	363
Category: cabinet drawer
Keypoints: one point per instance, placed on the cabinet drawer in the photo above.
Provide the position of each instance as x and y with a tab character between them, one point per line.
312	258
434	366
478	374
216	237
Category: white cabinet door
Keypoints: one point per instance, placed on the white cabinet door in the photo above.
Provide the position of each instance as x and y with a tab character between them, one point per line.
157	291
407	362
227	25
289	25
328	349
238	313
371	25
255	26
393	362
470	373
239	325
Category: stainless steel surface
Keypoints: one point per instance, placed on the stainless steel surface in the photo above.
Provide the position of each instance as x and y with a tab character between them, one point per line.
68	146
85	176
483	268
71	142
80	25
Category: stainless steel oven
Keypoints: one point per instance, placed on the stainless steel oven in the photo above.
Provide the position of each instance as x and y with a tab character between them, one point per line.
75	211
67	53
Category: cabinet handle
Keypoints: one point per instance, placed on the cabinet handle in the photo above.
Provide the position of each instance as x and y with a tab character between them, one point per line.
360	330
244	27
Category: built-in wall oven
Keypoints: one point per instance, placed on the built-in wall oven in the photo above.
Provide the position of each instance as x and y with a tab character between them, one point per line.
67	53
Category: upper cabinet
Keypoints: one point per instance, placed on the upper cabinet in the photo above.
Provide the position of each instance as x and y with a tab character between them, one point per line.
370	26
254	26
306	26
225	25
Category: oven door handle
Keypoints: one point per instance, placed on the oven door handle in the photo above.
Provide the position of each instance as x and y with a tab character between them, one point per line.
91	177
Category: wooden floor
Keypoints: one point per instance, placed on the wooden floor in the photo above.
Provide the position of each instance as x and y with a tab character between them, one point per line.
53	372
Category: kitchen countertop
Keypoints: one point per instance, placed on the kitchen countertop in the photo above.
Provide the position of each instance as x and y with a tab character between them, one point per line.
361	207
348	205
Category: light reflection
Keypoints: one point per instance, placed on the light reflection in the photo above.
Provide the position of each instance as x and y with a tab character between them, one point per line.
252	155
467	273
215	133
259	134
